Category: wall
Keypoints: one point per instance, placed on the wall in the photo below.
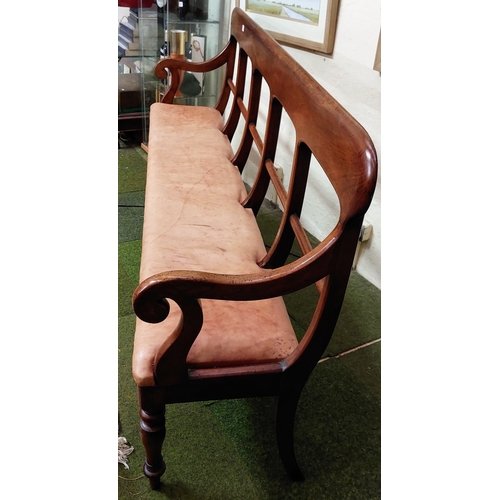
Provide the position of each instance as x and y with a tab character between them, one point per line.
348	75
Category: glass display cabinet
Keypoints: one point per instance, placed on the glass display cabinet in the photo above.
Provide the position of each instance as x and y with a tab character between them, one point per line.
130	106
133	103
190	29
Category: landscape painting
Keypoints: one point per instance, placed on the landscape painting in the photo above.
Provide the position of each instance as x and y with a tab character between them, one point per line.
306	11
308	24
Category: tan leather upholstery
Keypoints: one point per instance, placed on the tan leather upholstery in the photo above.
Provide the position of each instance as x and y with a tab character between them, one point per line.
194	220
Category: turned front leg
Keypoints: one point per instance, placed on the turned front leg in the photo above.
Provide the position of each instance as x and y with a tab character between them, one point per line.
152	436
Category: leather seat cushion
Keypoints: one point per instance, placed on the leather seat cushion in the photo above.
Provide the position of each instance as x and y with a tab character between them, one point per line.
194	220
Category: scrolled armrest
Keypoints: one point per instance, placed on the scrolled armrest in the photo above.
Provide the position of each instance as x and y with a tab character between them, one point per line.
176	66
150	306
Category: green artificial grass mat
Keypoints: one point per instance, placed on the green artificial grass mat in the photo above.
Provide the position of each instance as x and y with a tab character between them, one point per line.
226	450
129	256
131	170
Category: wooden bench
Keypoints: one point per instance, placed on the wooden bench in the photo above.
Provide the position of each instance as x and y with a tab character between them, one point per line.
211	321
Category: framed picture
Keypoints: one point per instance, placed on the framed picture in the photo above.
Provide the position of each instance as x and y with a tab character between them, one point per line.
198	43
308	24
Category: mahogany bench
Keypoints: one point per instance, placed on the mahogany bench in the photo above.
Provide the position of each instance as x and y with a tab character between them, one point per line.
211	321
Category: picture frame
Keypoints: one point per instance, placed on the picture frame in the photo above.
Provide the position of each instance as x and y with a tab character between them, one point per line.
198	43
316	32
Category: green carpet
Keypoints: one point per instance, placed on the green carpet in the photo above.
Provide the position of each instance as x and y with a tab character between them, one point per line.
226	450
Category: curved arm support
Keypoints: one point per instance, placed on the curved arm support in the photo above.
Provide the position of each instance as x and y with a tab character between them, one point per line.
170	360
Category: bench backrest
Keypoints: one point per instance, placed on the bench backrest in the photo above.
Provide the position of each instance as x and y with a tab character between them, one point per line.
323	128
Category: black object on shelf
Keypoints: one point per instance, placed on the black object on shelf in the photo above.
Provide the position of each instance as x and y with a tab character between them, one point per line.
182	9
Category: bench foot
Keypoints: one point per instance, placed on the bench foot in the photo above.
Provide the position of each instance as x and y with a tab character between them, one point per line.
286	406
154	481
